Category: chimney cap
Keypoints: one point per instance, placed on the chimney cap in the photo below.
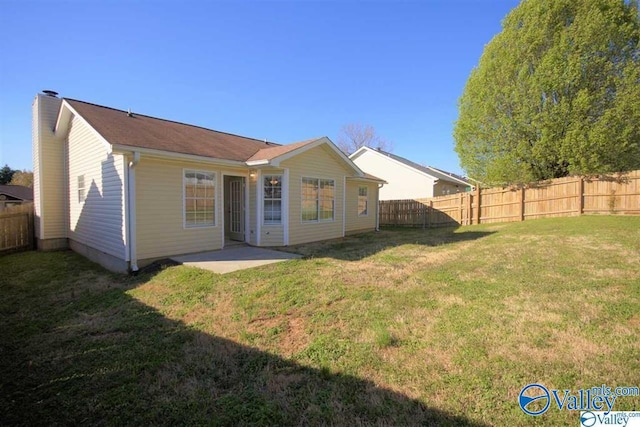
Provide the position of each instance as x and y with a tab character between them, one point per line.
50	92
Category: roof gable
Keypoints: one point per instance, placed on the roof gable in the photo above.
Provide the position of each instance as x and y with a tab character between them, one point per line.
273	156
428	170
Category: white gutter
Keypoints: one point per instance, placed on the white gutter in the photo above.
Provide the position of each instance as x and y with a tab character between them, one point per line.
131	213
150	152
257	162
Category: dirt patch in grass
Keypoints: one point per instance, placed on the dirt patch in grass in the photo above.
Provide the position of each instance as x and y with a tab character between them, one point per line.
528	308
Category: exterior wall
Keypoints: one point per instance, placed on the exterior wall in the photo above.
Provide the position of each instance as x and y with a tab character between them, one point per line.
404	182
446	187
270	234
106	260
355	222
251	208
319	162
160	230
97	221
48	170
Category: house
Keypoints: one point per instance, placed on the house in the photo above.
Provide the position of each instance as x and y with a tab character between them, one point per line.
406	179
12	195
125	189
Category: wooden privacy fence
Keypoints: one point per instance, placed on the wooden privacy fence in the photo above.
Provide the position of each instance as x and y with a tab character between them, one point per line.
619	194
16	228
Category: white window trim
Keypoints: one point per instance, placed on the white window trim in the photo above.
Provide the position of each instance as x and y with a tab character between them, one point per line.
216	200
269	223
367	201
335	194
82	199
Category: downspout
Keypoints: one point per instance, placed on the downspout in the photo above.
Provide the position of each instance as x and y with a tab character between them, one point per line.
378	208
131	214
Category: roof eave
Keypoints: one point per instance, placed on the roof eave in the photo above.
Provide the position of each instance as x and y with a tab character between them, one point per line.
257	162
151	152
367	179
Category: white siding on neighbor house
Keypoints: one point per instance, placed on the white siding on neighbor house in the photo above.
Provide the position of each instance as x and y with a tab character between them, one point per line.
403	182
355	222
48	170
323	163
98	221
160	229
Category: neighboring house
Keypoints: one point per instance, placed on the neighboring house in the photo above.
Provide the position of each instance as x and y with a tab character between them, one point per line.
12	195
126	189
406	179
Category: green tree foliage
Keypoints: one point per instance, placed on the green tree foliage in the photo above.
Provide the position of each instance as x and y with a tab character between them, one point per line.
6	174
556	92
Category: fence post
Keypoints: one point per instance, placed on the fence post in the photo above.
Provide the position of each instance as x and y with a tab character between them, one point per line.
429	212
478	206
522	194
580	196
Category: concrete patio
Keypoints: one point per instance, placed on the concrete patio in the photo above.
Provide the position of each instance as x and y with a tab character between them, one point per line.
234	258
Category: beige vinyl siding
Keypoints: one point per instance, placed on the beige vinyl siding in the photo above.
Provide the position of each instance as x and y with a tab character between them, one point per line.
35	146
49	180
319	162
272	235
355	222
160	227
98	221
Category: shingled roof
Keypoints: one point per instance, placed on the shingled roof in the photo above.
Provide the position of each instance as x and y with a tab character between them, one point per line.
119	127
438	173
17	191
273	152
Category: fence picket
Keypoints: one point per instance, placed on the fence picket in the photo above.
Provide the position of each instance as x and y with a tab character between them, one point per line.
570	196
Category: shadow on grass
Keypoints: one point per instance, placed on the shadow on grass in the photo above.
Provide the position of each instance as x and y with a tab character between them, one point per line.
359	246
76	348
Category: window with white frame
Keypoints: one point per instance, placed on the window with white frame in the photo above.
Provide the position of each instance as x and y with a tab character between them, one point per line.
272	199
199	198
81	189
363	201
318	199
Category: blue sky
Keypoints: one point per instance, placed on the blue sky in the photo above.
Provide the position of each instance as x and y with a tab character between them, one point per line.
281	70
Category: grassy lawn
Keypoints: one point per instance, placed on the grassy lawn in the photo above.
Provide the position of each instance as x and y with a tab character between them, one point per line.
402	327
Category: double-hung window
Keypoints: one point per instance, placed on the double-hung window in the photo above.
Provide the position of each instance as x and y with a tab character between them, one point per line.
81	189
199	198
318	199
363	201
272	192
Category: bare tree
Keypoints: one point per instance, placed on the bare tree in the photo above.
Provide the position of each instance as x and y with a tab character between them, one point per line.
22	177
353	136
